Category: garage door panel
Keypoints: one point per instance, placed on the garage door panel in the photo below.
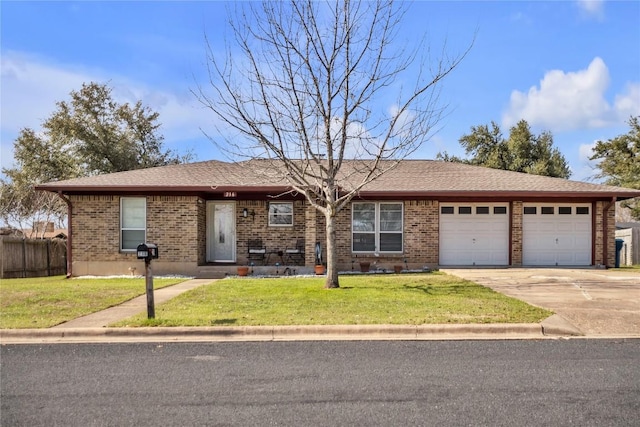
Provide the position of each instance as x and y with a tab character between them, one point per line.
474	239
555	239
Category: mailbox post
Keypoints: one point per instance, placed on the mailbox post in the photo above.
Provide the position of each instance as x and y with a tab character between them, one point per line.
147	252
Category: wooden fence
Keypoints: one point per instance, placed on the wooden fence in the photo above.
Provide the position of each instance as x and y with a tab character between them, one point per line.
32	257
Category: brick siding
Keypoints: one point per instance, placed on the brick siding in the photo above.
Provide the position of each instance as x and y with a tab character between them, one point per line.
178	225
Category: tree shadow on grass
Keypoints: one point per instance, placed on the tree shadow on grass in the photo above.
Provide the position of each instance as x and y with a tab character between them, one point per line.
422	288
443	290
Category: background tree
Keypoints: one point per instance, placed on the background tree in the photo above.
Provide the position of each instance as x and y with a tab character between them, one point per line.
619	162
88	135
523	151
301	92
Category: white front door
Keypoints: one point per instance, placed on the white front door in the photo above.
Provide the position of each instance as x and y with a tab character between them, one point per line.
556	234
221	232
474	234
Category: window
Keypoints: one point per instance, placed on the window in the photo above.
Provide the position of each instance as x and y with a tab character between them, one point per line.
582	210
499	210
547	210
377	227
133	222
281	214
530	210
447	210
464	210
482	210
564	210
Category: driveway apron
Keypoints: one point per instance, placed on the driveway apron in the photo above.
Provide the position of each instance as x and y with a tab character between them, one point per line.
597	302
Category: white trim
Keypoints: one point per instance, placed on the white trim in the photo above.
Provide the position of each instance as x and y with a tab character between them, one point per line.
210	230
122	228
377	232
269	214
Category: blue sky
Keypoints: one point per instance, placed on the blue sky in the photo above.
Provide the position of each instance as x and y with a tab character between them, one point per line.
570	67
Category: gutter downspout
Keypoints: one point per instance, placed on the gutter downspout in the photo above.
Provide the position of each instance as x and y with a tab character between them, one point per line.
605	231
69	234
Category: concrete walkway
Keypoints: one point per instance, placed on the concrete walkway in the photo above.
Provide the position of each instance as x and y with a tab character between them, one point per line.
132	307
599	303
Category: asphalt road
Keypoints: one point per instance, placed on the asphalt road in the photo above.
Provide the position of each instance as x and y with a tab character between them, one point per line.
491	383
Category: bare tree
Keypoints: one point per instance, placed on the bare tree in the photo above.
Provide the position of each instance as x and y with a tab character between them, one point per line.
302	87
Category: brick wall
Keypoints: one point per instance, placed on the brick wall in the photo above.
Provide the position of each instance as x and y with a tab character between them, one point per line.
600	223
421	244
178	225
516	233
96	228
173	223
257	226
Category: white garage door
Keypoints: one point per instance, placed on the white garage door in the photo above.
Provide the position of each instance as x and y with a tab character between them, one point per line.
474	234
556	234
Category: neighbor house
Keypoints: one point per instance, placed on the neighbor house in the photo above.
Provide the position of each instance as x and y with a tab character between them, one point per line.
208	217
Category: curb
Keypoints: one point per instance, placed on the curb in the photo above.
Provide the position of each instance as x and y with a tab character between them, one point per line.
556	325
275	333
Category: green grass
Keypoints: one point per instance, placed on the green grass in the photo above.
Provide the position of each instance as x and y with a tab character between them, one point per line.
368	299
42	302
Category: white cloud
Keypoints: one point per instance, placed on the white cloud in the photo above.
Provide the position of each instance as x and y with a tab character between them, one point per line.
572	100
628	103
593	8
30	89
585	151
32	85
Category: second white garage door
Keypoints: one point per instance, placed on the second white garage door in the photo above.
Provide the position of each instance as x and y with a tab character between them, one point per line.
556	234
474	234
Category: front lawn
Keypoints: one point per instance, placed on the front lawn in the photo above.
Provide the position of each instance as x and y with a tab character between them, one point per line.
409	299
42	302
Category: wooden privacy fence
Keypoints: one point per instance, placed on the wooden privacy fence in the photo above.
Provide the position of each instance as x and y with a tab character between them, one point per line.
32	257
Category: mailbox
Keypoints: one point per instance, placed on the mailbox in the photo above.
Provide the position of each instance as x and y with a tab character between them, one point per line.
147	251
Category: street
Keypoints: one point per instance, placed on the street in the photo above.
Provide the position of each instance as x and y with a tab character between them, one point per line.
546	382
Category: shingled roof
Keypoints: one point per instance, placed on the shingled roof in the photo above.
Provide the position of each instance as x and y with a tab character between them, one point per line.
419	178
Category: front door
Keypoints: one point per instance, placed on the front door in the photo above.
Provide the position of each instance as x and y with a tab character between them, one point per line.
221	232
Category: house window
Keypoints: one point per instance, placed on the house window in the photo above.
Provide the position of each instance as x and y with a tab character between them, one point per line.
133	222
530	210
500	210
547	210
482	210
464	210
447	210
582	210
377	227
281	214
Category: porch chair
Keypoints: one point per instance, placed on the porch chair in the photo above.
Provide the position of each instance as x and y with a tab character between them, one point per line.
257	250
296	253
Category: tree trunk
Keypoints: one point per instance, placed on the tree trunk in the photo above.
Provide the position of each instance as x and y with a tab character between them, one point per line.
332	269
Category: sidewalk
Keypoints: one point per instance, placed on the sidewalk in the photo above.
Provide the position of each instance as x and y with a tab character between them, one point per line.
93	328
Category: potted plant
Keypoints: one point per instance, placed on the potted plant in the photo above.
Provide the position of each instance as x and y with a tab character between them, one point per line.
243	270
364	266
397	269
319	268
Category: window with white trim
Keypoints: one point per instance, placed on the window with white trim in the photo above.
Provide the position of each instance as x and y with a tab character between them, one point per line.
377	227
281	214
133	222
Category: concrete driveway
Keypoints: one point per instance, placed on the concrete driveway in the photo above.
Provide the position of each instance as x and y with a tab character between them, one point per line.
597	302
